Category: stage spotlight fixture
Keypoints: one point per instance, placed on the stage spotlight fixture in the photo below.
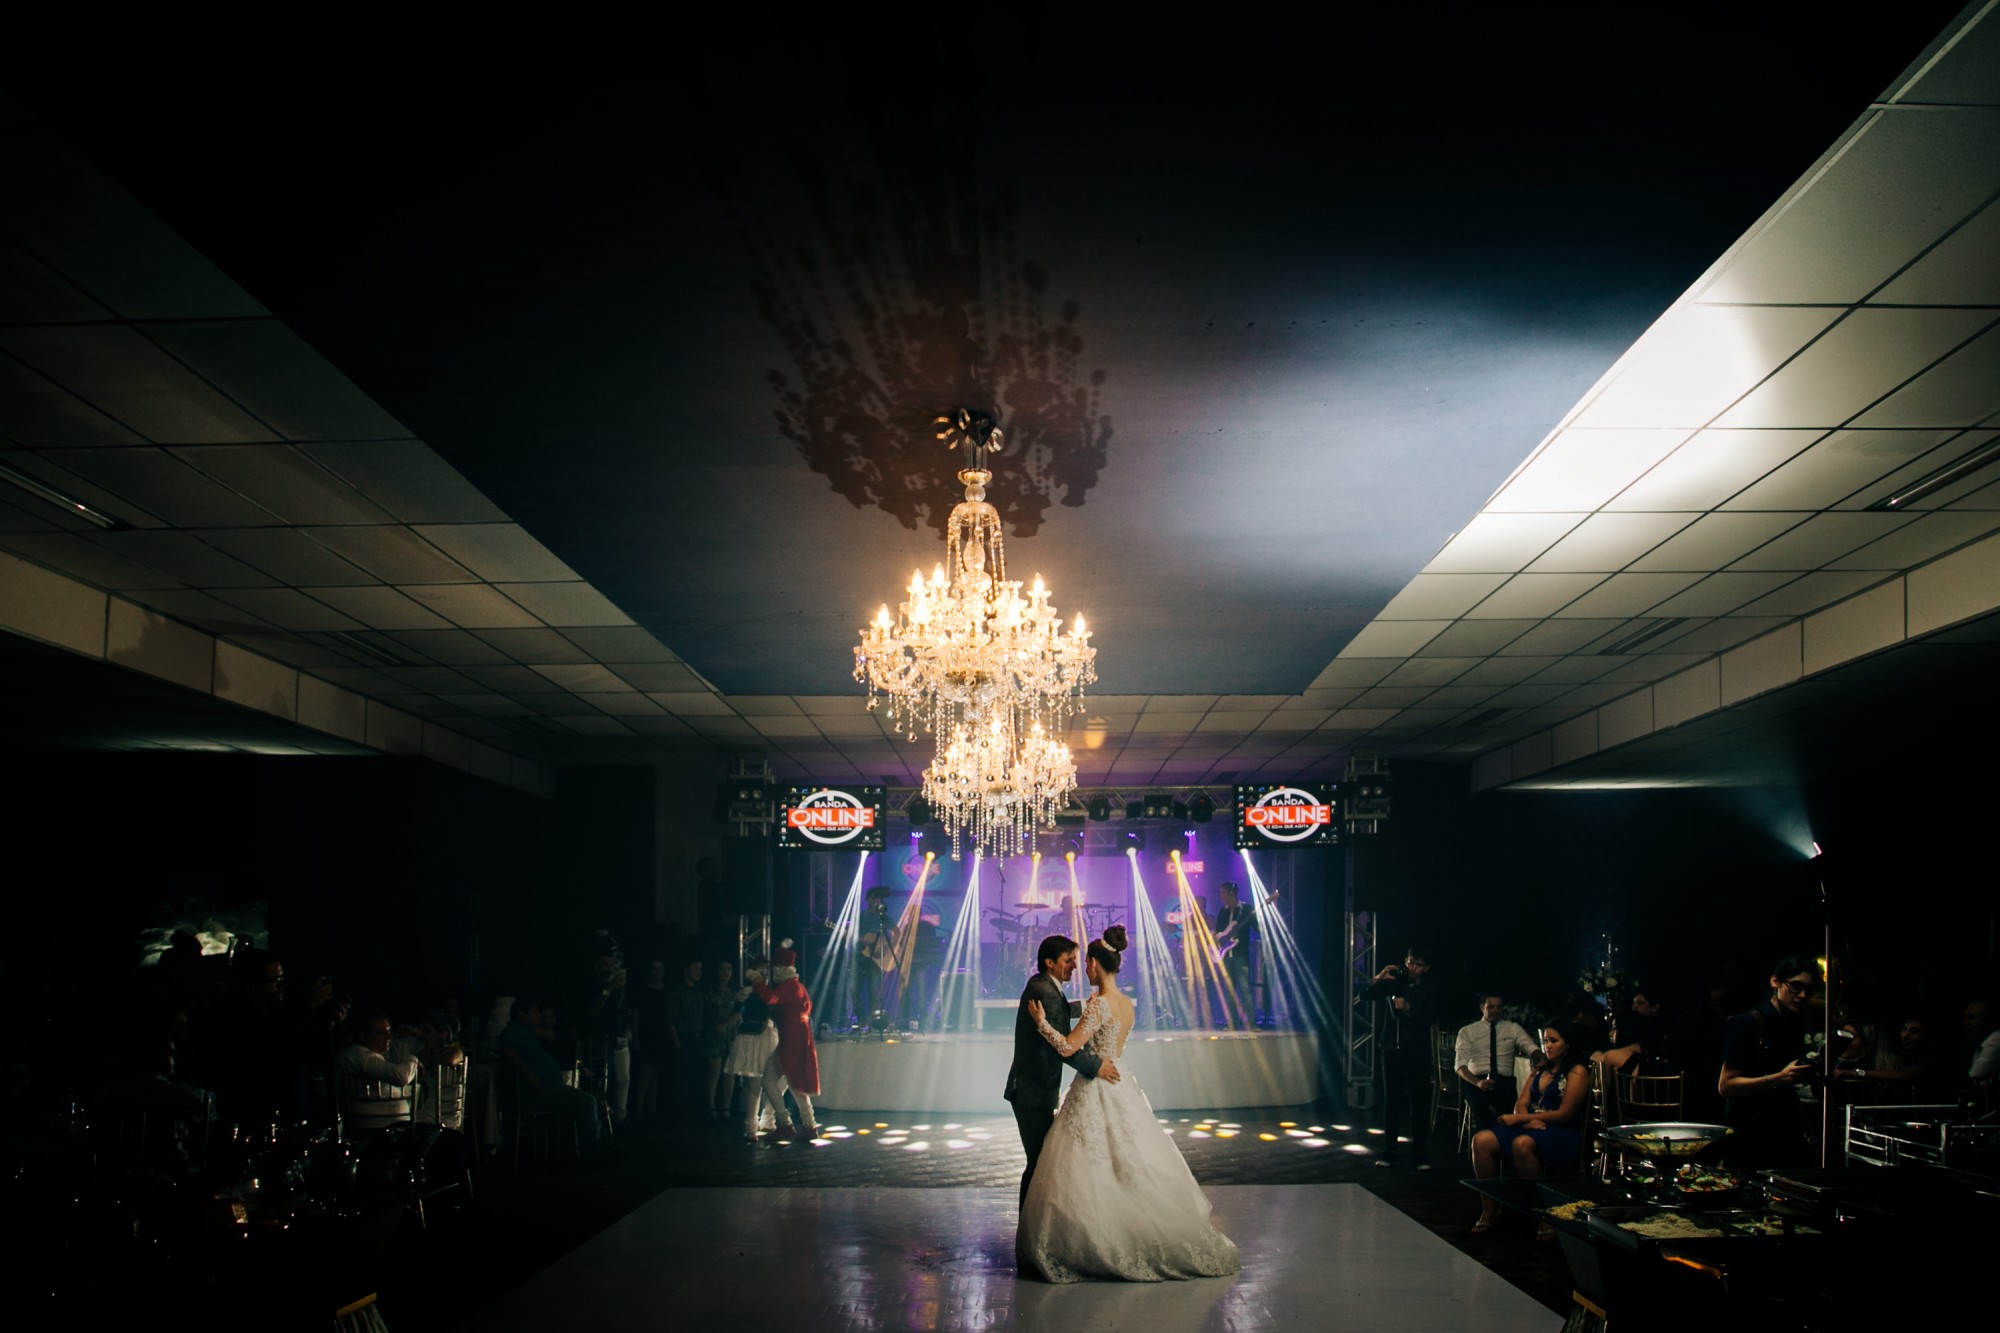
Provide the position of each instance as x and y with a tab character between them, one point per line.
930	856
1099	808
1135	840
1159	807
1070	857
1201	809
1131	850
919	810
1188	833
1135	810
1180	811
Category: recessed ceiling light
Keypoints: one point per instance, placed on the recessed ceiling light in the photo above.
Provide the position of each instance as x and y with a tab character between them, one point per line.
1984	456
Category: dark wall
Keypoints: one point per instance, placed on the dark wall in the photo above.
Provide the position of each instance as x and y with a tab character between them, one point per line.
1517	889
402	880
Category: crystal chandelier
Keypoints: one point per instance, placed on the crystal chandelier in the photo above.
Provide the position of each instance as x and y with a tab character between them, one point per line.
985	670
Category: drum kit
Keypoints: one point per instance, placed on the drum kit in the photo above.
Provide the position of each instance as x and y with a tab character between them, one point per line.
1020	931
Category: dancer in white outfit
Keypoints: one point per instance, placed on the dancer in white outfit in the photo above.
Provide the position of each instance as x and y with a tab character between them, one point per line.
1111	1196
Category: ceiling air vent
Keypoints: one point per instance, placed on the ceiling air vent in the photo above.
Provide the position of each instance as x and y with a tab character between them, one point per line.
1643	635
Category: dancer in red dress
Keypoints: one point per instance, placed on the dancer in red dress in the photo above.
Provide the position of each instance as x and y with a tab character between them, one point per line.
796	1060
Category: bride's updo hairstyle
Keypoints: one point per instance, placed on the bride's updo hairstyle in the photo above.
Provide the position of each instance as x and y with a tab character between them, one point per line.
1108	951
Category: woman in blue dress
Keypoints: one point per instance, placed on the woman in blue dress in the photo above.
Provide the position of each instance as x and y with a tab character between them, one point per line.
1541	1133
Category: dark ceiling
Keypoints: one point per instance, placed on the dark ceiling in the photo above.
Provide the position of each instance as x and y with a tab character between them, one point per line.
1269	309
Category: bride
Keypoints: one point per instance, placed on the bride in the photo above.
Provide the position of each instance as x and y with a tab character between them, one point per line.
1111	1196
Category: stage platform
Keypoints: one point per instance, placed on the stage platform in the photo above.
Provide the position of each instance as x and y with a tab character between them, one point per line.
1314	1256
953	1072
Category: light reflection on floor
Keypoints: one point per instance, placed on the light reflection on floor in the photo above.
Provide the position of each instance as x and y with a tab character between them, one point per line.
998	1137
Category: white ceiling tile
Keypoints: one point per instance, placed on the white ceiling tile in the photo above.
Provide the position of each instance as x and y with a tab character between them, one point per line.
471	605
1440	596
1463	696
1961	390
1865	356
176	553
1575	670
33	293
1711	467
409	479
631	703
446	647
1581	469
1501	543
132	381
1719	636
662	676
200	609
1180	703
288	609
392	553
1712	541
496	552
511	679
278	377
37	412
1822	539
1345	673
286	554
1697	360
1655	666
585	677
566	604
624	643
1929	537
1879	203
1505	670
1429	671
1389	638
1476	638
534	645
1953	451
1812	592
1625	595
1965	71
76	555
379	607
1842	464
1964	269
1720	594
1606	543
157	483
88	228
1534	595
1559	636
285	481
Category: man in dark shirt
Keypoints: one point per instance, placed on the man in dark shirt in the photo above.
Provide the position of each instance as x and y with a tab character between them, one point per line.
1234	921
1762	1068
1408	1066
541	1079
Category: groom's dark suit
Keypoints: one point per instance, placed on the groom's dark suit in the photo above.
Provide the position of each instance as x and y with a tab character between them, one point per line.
1034	1082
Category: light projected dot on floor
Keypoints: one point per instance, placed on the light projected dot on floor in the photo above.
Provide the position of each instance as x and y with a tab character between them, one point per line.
956	1144
1288	1124
832	1128
841	1133
1295	1133
1312	1143
881	1124
1373	1130
1342	1128
1354	1148
921	1129
919	1146
1231	1124
1196	1133
1268	1138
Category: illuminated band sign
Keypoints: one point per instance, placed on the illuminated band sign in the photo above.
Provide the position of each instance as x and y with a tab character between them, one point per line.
832	817
1302	814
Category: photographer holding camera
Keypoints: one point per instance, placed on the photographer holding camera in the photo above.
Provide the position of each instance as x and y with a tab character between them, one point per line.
1763	1063
1406	1053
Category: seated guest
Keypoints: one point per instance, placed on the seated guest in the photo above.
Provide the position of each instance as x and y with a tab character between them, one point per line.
378	1076
1982	1040
1484	1058
541	1079
1921	1062
1541	1134
1643	1039
1763	1065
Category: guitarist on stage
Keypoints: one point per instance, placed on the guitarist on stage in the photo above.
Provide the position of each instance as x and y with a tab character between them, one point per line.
1233	921
875	958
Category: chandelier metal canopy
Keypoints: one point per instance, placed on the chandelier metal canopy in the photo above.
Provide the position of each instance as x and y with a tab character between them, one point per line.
986	670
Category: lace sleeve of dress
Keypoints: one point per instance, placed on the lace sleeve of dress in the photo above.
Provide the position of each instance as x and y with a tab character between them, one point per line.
1078	1037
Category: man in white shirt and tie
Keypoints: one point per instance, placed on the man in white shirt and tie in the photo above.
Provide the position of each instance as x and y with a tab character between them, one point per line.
1485	1055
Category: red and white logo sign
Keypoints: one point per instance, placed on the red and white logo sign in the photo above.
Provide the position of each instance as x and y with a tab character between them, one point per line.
830	817
1287	814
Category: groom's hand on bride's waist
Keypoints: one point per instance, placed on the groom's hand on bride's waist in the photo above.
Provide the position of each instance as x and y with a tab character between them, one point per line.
1108	1072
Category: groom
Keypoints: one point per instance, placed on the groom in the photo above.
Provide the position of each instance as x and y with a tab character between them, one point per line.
1034	1081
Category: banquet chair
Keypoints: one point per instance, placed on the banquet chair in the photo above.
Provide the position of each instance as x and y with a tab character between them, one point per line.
1645	1097
1601	1112
1447	1090
538	1126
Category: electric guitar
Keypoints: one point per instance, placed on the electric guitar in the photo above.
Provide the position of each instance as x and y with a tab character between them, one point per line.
1233	934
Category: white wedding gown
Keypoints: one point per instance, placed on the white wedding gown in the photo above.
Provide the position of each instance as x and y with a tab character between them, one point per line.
1111	1196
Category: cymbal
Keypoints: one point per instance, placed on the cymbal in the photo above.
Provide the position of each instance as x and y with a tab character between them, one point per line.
1009	928
1001	911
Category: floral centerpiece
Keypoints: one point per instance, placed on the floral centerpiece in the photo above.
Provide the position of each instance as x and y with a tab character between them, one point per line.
1604	984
